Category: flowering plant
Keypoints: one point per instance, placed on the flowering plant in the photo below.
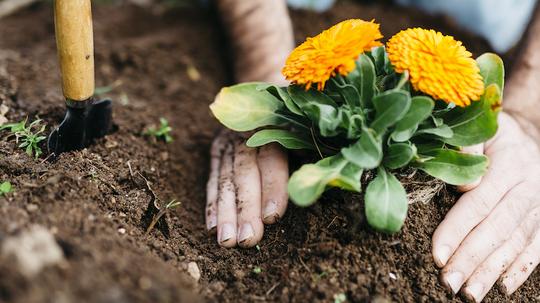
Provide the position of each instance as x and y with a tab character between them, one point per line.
360	106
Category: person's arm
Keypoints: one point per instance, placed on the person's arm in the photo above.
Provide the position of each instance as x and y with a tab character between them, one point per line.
522	94
248	187
261	36
493	231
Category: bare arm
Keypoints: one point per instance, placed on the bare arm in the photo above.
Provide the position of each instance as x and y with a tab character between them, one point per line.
261	36
522	95
248	187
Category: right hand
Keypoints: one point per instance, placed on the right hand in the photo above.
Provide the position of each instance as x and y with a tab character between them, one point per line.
246	188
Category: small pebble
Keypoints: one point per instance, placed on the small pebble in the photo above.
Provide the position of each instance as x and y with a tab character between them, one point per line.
33	250
193	271
122	230
145	283
31	207
239	274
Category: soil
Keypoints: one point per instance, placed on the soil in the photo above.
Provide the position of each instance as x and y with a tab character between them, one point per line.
171	64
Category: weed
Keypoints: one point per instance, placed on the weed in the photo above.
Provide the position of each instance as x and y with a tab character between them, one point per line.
5	188
340	298
29	136
99	91
161	213
163	132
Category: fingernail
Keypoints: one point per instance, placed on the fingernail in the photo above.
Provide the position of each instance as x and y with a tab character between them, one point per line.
246	232
211	223
227	232
475	291
454	280
442	254
270	210
506	285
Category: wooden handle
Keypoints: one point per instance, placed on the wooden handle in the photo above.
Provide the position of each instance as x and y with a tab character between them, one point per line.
75	43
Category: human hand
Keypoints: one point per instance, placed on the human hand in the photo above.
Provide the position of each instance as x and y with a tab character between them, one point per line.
493	230
246	188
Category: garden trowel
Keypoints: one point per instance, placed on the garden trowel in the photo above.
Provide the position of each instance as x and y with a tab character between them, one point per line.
86	118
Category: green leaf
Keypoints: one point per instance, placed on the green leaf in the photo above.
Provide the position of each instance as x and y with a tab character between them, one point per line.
308	183
319	108
286	138
386	202
242	107
366	152
5	188
420	109
492	69
282	93
348	92
379	58
390	107
363	78
303	97
454	167
477	122
399	155
443	131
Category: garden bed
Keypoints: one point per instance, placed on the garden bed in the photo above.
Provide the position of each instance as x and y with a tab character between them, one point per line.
171	64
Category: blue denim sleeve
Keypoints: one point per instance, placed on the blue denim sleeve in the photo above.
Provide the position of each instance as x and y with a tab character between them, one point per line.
501	22
316	5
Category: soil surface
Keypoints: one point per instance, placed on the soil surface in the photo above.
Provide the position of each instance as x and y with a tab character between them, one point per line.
171	64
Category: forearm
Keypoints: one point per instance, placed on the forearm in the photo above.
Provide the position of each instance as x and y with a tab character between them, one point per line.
261	37
522	92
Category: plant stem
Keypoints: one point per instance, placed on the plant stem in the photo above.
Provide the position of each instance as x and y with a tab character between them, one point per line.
315	142
403	80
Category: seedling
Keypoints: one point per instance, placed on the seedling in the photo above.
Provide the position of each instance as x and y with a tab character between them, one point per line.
340	298
29	136
102	90
163	132
171	205
257	270
358	107
5	188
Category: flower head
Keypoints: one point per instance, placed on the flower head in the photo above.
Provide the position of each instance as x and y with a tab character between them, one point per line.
438	65
335	50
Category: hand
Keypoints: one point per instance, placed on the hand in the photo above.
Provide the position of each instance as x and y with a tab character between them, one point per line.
246	188
493	230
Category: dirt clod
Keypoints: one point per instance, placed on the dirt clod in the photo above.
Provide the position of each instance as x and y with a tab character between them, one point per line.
33	250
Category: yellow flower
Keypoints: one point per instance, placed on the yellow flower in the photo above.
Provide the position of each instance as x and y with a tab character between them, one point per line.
438	65
333	50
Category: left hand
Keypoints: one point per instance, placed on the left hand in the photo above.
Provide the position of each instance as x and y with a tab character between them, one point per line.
493	231
246	188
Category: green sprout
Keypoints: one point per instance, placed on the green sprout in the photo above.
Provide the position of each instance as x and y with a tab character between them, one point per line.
257	270
5	188
163	132
340	298
29	136
102	90
171	205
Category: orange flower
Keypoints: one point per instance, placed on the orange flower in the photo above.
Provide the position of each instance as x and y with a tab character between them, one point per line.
438	65
335	50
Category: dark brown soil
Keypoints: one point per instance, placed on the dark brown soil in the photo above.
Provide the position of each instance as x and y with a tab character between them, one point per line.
94	204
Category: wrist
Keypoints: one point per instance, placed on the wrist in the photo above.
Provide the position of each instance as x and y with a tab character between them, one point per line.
273	77
526	124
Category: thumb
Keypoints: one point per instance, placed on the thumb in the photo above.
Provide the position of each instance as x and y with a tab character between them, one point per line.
477	149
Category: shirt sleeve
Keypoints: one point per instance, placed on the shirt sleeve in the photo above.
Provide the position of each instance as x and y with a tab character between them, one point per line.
501	22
